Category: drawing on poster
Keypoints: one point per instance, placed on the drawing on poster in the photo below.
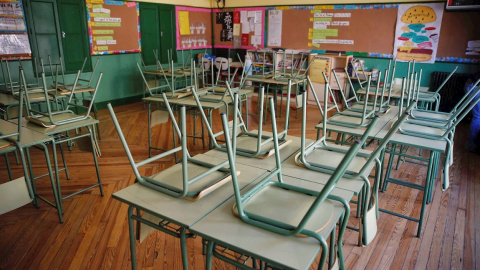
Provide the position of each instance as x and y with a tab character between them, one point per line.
417	32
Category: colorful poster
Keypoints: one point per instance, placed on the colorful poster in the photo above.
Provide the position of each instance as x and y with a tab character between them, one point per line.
417	32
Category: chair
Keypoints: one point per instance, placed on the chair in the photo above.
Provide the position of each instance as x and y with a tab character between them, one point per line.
327	157
253	144
443	131
284	75
191	179
346	119
357	105
59	117
268	205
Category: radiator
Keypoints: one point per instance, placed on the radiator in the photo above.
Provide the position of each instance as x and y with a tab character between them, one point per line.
452	91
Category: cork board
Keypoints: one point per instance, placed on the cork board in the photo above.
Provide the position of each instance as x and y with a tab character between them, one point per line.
113	27
251	39
196	24
457	29
372	30
368	35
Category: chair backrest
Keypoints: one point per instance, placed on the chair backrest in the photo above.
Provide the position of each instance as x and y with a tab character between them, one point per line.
266	223
446	80
152	90
222	63
356	64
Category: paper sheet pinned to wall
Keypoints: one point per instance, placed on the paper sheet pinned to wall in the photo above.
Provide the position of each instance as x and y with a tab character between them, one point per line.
183	23
274	28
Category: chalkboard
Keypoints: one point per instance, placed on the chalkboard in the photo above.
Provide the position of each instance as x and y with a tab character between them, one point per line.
113	27
194	28
14	42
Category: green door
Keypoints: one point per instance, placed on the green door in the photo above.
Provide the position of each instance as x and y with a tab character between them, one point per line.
73	26
43	29
167	32
149	32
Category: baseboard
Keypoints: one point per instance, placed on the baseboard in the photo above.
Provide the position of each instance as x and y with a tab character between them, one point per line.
118	102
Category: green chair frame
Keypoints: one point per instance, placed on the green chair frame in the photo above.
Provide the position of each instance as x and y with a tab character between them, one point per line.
446	131
187	179
365	116
260	138
59	117
267	183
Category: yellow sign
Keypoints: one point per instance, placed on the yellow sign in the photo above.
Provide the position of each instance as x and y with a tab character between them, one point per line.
183	23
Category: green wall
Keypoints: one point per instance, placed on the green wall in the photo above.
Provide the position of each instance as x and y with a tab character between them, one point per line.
427	69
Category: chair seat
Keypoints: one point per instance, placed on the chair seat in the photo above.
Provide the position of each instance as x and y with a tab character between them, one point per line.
350	120
14	194
45	121
281	205
423	129
249	143
291	168
359	106
332	158
432	115
170	179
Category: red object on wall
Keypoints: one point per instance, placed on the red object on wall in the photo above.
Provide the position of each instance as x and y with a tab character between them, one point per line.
236	17
245	39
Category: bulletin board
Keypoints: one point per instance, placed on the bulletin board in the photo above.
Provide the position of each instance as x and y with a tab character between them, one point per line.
349	27
369	29
14	42
194	28
246	30
113	27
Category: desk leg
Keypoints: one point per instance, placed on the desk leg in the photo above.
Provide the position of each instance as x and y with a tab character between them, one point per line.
57	177
132	238
183	246
52	181
92	139
210	121
32	177
208	264
426	192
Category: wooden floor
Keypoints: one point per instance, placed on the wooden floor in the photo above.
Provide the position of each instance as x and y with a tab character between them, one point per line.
95	236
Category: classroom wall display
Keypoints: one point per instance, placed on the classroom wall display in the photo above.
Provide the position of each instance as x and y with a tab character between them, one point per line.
337	27
194	28
369	30
239	28
14	42
418	32
113	27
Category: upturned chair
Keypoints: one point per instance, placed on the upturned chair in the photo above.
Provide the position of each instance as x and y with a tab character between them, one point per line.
289	210
191	179
322	157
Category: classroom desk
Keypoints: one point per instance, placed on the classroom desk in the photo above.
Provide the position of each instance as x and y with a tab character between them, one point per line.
56	133
436	147
31	138
287	252
178	211
190	102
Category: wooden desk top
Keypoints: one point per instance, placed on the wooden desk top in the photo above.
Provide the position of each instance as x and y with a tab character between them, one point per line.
287	251
28	137
181	211
57	129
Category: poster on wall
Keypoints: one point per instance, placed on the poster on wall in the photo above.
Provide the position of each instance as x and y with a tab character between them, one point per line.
14	42
417	32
